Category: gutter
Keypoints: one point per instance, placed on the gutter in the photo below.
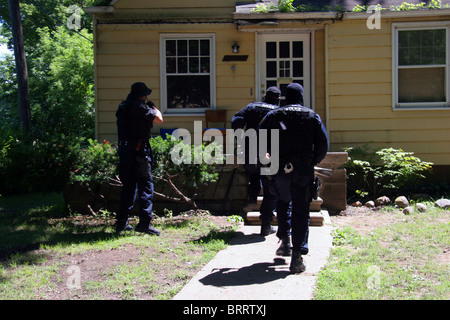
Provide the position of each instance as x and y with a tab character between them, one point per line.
336	15
400	14
99	9
287	16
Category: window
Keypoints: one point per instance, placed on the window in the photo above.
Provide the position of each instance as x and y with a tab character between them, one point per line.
420	66
187	73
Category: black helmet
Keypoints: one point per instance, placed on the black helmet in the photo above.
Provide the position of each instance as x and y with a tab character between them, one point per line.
139	89
294	93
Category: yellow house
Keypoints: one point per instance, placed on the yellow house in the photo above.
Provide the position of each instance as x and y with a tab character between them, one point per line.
378	77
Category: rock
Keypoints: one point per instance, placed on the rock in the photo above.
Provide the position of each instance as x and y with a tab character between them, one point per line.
370	204
382	201
421	207
408	210
402	202
356	204
442	203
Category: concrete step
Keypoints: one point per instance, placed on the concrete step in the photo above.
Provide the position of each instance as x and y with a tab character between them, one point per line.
317	218
315	204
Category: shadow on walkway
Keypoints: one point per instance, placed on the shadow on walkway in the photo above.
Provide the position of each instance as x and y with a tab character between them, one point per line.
257	273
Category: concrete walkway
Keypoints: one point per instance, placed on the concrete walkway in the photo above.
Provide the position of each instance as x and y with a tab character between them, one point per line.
248	269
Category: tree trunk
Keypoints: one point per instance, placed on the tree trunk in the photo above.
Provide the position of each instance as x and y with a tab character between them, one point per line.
21	64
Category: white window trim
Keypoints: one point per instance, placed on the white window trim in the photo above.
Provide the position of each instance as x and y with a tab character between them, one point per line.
396	27
163	74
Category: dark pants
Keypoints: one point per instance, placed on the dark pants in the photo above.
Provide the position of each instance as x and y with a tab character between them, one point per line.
254	182
293	187
135	174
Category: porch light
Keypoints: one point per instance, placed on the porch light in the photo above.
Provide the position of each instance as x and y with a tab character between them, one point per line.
235	47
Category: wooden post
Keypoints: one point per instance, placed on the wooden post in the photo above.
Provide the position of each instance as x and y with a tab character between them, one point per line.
21	64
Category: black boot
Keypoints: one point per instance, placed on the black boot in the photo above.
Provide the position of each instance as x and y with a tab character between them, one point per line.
122	225
297	264
267	229
147	228
285	247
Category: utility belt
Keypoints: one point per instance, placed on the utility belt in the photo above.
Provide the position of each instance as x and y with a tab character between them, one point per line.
135	145
300	159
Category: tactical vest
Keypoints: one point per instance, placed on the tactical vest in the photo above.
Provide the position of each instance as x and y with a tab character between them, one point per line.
296	126
257	112
130	127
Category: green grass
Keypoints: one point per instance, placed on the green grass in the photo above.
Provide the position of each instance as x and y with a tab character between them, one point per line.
39	244
405	258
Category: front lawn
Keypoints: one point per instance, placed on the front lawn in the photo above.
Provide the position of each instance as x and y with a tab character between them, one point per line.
47	254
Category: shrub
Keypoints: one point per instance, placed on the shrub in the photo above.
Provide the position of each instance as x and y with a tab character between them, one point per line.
31	165
166	172
383	172
98	162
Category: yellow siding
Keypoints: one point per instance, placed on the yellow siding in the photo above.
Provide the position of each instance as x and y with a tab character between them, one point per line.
126	54
360	97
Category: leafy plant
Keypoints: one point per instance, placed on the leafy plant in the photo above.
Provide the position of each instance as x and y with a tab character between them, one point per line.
34	165
166	172
385	171
286	6
96	162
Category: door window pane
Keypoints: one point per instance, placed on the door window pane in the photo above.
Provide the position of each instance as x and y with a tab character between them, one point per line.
285	69
297	49
284	49
298	69
271	69
271	50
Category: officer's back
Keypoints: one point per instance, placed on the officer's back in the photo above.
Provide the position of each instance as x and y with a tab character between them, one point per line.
252	114
302	136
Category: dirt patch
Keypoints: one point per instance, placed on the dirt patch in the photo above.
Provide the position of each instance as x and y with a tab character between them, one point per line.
77	273
90	266
363	219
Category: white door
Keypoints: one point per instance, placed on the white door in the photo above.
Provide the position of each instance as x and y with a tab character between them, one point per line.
283	59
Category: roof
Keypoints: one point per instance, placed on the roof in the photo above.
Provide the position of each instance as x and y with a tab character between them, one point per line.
346	5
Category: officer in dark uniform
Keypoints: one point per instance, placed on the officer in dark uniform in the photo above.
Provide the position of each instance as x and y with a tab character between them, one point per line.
135	117
303	142
249	118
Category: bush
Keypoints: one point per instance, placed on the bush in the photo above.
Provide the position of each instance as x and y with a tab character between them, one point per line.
31	165
98	162
384	172
166	172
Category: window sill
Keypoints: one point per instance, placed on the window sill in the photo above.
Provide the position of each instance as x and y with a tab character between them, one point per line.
420	108
200	114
